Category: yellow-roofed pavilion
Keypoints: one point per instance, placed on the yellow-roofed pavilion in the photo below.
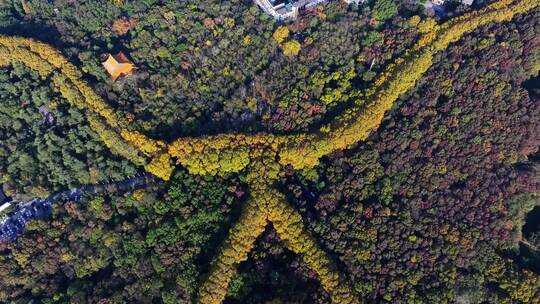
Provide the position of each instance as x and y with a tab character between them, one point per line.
118	65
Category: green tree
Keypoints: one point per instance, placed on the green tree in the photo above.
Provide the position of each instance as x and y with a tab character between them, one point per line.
384	10
292	48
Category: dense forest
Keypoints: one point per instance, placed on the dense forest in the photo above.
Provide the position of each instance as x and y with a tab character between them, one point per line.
439	205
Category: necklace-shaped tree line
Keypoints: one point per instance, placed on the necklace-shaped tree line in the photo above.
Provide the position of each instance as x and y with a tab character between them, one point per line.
263	156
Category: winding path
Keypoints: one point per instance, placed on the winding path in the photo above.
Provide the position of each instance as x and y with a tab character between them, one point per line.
224	153
263	156
14	223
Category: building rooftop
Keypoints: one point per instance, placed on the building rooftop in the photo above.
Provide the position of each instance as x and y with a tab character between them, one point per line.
118	65
442	2
289	10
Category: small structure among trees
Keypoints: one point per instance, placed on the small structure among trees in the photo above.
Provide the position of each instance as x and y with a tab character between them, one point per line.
442	2
118	65
289	10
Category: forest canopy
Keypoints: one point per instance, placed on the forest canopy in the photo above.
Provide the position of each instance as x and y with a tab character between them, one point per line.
430	208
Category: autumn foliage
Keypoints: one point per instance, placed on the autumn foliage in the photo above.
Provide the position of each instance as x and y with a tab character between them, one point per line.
266	205
264	155
300	151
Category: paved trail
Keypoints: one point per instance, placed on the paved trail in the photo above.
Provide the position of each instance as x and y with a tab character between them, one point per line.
14	224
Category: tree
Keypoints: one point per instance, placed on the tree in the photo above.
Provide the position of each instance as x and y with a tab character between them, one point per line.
281	34
384	10
291	48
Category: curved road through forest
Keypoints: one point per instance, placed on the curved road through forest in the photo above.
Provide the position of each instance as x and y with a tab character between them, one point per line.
15	222
264	155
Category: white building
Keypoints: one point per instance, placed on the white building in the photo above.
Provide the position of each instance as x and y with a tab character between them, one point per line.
441	2
289	11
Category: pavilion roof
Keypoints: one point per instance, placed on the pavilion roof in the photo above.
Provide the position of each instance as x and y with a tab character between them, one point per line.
118	65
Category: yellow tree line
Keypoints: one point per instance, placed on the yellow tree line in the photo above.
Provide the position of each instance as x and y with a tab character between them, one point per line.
267	205
356	124
305	151
230	152
257	212
206	155
233	152
233	251
289	225
113	129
